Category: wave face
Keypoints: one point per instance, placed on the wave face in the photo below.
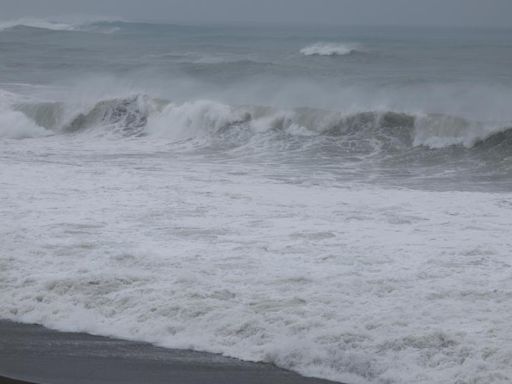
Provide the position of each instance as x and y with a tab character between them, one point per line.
141	114
126	116
330	49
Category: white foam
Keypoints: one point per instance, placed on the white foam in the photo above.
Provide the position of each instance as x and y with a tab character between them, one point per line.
354	283
36	23
329	49
14	124
74	24
191	119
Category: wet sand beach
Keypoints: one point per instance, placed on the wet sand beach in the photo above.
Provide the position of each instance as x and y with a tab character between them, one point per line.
34	354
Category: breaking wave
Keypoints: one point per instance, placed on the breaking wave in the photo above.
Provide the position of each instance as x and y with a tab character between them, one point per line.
97	25
214	122
16	125
330	49
36	23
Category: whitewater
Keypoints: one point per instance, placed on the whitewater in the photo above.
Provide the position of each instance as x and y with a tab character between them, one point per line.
334	201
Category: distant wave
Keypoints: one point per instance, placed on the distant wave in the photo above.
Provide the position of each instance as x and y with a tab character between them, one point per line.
330	49
36	23
202	58
94	25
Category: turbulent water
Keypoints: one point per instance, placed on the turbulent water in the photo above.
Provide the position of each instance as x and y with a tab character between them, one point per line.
336	201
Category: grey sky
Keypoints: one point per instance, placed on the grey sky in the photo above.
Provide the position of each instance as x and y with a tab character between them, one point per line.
343	12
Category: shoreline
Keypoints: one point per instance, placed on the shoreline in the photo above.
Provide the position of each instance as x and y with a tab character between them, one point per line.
8	380
35	354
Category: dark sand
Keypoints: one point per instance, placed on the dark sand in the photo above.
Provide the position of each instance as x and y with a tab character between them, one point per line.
32	353
6	380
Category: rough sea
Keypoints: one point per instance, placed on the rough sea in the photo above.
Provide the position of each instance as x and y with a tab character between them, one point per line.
335	201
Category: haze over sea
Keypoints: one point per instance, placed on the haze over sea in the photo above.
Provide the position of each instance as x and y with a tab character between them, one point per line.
333	200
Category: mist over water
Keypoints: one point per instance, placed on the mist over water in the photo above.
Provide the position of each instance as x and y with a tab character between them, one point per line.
332	200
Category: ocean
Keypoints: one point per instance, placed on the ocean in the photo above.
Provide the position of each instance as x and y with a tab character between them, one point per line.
333	200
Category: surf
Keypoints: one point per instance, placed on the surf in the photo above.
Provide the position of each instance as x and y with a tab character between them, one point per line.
141	114
331	49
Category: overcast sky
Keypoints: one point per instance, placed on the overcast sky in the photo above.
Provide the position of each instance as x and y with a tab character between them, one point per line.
343	12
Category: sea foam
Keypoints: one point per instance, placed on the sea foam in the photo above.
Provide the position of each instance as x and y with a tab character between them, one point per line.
330	49
100	24
208	255
36	23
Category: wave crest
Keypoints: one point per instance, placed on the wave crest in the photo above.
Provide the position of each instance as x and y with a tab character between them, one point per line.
36	23
213	122
330	49
100	25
